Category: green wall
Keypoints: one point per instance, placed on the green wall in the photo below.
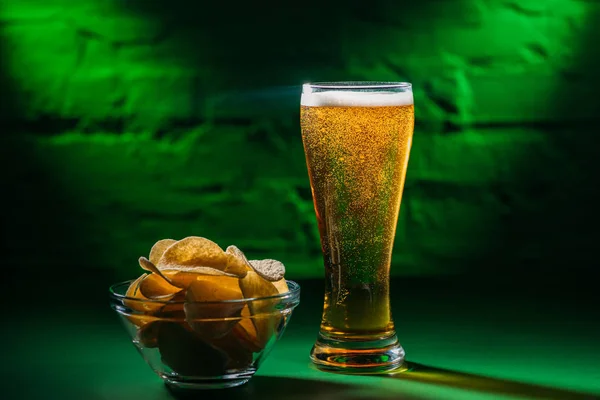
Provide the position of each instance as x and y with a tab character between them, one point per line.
129	121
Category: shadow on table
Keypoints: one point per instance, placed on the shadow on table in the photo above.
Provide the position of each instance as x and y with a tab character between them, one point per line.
271	387
438	376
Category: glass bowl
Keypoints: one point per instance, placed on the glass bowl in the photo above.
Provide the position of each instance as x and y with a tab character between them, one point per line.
204	345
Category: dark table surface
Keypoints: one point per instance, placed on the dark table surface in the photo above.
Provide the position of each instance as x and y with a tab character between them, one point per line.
464	340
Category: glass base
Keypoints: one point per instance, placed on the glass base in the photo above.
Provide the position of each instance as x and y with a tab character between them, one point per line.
185	384
357	357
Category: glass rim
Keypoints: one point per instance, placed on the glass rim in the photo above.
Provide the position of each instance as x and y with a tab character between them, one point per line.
293	293
349	85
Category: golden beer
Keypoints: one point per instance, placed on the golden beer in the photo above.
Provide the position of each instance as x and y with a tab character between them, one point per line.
357	141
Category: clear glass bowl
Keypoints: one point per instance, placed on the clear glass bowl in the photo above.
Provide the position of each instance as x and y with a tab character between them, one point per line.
204	345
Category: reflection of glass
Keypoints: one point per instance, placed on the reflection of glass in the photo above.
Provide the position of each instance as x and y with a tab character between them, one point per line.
357	138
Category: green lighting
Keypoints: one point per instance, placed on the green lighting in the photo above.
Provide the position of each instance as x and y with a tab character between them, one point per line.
149	121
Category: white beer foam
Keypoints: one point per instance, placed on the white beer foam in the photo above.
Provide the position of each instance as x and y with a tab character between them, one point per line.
356	99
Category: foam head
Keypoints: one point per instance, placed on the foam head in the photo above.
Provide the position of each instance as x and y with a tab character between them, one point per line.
345	98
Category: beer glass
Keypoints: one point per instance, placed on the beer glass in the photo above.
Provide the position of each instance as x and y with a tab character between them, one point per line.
357	138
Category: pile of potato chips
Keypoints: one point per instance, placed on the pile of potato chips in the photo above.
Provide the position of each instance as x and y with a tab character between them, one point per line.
181	306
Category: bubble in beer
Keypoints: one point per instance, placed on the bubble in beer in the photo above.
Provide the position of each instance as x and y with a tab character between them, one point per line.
357	145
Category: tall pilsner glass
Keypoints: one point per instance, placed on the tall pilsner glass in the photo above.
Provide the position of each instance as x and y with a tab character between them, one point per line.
357	138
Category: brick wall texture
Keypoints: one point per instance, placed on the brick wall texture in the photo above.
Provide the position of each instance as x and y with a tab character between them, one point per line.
131	120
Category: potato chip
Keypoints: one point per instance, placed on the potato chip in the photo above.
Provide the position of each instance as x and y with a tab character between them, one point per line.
237	263
142	311
209	329
139	320
134	286
187	354
193	251
149	266
133	292
155	287
213	289
148	334
271	270
238	354
174	308
158	250
254	286
235	251
266	325
245	331
141	302
281	286
183	276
